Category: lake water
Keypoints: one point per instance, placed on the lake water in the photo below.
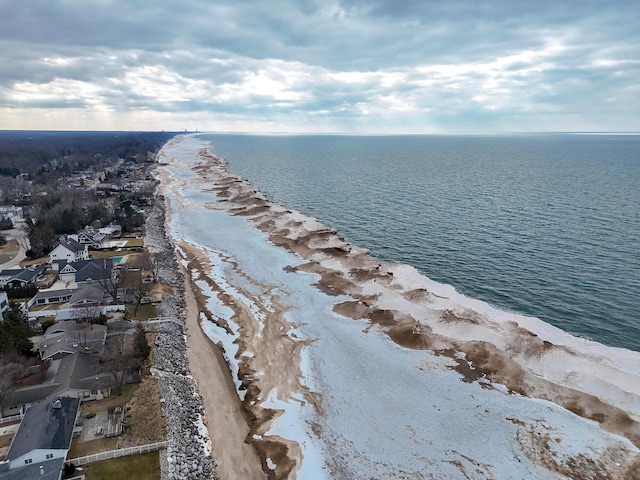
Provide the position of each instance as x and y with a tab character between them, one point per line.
544	225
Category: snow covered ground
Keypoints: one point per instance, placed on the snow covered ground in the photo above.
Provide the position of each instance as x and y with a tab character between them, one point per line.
356	369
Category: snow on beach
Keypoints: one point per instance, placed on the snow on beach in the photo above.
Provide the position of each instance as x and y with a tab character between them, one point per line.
352	368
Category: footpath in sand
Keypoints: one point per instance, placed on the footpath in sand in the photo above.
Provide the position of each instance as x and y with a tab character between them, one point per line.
225	420
386	331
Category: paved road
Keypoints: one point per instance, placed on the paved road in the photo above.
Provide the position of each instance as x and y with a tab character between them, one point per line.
19	233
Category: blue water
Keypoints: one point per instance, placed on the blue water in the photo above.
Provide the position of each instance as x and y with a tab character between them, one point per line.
544	225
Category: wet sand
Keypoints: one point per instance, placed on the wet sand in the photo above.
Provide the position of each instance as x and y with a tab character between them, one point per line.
525	355
225	420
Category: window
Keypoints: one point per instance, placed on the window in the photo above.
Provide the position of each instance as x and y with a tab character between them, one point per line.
49	455
28	461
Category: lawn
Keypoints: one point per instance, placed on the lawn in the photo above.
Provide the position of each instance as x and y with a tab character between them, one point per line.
144	466
49	306
111	253
145	311
8	251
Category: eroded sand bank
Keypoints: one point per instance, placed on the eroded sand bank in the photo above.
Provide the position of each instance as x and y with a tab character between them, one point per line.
485	346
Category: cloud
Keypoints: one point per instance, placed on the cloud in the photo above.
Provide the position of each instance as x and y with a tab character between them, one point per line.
350	65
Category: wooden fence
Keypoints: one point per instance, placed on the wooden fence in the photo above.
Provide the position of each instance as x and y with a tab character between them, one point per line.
123	452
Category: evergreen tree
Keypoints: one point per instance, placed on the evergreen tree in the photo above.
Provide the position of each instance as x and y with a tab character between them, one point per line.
14	332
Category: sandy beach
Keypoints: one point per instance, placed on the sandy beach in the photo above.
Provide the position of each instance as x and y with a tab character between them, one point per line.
284	335
225	419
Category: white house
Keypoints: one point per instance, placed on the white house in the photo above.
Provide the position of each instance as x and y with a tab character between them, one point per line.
91	237
68	250
112	230
44	436
11	211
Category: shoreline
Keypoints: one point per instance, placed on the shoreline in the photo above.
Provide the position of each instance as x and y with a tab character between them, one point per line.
509	351
225	419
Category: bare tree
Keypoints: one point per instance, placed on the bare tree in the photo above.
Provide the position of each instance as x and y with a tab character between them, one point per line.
90	313
138	289
10	370
151	263
112	279
117	359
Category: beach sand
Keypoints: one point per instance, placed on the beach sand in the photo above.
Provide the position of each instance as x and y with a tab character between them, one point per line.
525	355
225	419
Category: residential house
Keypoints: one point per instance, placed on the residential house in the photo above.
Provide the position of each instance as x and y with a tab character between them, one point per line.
68	250
112	230
84	272
40	446
91	237
88	297
66	338
47	297
17	277
20	277
8	274
75	375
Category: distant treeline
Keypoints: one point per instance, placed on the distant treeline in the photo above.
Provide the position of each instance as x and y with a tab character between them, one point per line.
33	151
9	172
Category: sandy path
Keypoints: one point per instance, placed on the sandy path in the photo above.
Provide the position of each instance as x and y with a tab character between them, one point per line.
225	421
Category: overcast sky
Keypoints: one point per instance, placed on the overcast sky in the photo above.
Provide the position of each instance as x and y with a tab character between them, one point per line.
350	66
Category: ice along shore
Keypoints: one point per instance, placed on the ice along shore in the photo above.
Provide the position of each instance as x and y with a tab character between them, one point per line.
343	366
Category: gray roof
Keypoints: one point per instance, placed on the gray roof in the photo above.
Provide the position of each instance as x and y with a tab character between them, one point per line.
29	275
75	371
70	337
78	371
71	245
51	468
10	272
92	293
45	427
94	269
25	275
30	394
63	292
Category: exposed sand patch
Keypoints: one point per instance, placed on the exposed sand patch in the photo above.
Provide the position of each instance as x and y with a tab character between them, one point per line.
274	368
525	356
347	270
224	417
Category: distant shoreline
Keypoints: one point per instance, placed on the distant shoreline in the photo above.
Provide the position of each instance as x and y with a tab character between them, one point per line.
507	350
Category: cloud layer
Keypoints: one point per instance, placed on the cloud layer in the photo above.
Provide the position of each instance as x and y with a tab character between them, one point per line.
348	66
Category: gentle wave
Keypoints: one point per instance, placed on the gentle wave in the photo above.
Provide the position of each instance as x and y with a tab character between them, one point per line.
541	225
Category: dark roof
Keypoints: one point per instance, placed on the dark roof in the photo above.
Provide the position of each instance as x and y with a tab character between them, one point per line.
79	371
94	269
70	337
45	427
54	293
10	272
51	468
72	245
23	275
94	293
30	394
75	371
28	275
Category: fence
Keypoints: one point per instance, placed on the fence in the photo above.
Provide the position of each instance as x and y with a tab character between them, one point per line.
75	313
11	418
123	452
164	319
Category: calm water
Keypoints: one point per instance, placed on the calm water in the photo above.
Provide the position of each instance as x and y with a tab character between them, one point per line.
545	225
